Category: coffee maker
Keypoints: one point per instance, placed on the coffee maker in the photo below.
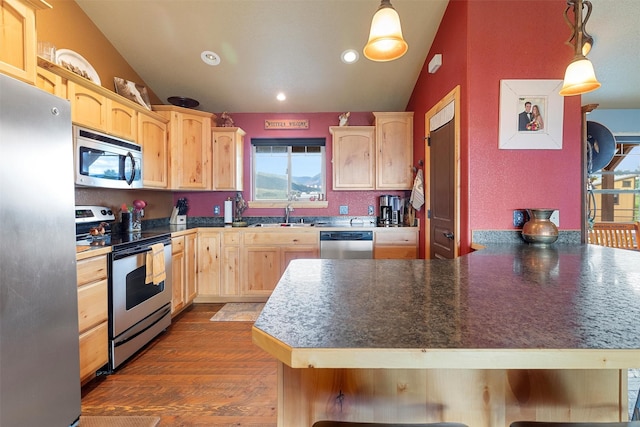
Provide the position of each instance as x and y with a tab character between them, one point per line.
390	211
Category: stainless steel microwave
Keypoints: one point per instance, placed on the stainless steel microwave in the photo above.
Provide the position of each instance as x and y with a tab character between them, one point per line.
106	161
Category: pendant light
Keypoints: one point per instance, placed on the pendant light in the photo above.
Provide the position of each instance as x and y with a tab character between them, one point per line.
385	37
580	76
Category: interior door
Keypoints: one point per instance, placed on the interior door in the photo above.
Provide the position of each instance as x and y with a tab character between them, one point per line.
442	179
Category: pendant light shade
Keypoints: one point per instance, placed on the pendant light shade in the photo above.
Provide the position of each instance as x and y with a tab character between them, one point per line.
385	37
579	78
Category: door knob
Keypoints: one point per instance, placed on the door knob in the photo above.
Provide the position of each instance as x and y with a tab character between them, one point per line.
448	235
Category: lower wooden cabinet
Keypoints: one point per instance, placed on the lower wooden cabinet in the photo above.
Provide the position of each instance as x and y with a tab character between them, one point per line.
396	243
92	314
243	265
265	256
230	270
183	271
209	265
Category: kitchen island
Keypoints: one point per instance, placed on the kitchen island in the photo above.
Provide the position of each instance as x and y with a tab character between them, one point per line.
512	333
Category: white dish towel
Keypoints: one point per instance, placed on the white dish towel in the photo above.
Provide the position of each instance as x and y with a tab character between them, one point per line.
417	193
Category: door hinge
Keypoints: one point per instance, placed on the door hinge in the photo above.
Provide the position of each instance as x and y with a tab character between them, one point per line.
429	141
429	213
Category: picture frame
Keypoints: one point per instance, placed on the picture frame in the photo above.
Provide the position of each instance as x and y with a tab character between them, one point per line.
542	131
132	91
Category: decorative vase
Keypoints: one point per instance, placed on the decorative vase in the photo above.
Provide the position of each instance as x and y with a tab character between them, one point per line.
539	229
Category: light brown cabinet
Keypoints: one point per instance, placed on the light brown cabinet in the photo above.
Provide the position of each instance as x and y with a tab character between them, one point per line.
394	155
376	157
92	314
190	267
353	157
122	120
228	155
177	274
244	265
152	135
265	256
51	82
95	110
183	271
18	41
208	264
189	147
88	107
230	270
396	243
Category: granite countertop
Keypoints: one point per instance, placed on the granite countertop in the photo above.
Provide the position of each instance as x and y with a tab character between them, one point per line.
477	311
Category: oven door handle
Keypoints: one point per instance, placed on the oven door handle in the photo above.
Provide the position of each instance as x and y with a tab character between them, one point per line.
141	249
142	327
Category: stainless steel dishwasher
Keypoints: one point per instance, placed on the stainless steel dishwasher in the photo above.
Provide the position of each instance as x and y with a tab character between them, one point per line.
346	244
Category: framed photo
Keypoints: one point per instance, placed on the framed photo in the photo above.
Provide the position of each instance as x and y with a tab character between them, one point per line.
132	91
531	115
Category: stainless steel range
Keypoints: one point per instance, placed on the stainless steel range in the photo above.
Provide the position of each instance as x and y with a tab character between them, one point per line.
138	310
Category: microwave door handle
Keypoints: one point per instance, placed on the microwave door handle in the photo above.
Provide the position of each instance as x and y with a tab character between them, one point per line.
133	168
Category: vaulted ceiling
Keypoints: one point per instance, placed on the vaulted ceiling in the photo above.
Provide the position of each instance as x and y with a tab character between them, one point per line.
294	46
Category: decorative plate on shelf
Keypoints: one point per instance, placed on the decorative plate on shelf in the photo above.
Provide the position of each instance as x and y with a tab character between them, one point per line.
75	63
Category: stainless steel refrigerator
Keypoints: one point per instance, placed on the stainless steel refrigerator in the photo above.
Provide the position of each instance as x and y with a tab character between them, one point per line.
39	356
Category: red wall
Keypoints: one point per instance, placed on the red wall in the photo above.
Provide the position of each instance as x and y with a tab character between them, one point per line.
482	42
201	203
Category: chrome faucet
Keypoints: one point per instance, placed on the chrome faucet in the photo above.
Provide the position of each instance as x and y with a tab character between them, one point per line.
287	211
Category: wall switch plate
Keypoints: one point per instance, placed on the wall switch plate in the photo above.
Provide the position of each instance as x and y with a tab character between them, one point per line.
370	210
555	218
216	210
344	210
519	218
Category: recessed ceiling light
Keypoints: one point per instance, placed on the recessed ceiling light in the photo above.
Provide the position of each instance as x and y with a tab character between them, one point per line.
281	96
210	58
350	56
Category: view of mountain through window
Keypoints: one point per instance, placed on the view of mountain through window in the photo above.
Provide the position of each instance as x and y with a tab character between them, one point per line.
288	170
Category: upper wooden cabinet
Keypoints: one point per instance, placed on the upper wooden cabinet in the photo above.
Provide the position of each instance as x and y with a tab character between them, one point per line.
394	155
152	135
88	107
353	157
18	41
51	82
189	147
95	110
122	120
376	157
228	155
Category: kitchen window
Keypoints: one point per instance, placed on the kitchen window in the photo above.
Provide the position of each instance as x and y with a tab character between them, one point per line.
288	169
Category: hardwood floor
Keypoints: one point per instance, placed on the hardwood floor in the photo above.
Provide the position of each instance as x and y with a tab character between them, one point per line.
197	373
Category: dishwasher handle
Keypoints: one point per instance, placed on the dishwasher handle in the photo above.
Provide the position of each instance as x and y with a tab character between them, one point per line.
346	235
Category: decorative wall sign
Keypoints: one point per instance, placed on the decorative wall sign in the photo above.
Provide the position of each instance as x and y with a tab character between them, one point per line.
531	115
286	124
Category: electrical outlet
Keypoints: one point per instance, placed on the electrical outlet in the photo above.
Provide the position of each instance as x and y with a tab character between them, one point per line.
555	218
370	210
216	210
344	210
519	218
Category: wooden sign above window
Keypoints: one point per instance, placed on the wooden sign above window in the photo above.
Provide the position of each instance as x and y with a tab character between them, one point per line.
286	124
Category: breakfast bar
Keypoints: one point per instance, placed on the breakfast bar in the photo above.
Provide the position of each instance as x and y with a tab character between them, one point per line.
516	332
